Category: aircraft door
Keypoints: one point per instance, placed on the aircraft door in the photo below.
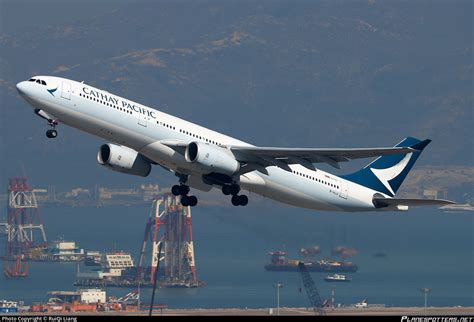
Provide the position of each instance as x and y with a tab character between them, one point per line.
343	189
142	119
66	90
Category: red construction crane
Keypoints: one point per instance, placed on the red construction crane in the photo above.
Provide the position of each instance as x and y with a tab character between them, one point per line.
169	223
23	224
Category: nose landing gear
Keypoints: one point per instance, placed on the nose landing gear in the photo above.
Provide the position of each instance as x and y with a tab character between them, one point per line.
51	134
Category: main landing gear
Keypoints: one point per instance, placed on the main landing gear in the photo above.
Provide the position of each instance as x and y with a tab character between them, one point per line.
233	189
183	190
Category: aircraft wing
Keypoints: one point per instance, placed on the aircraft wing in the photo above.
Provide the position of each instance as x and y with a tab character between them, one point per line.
178	146
388	202
281	157
257	158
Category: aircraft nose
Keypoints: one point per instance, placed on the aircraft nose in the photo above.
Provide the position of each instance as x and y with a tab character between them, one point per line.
21	87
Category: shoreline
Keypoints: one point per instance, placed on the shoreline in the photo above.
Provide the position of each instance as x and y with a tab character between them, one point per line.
396	311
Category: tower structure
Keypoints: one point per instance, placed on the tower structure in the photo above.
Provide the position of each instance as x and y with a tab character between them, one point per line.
170	223
23	227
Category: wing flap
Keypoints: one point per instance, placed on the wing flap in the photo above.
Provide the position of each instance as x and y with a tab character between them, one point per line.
352	153
309	155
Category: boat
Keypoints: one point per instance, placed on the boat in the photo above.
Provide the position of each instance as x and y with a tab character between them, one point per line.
337	278
278	262
8	306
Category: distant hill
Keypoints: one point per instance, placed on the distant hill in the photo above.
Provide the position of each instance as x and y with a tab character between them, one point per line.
309	74
454	183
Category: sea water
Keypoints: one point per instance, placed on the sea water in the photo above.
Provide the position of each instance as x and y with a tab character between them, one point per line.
424	247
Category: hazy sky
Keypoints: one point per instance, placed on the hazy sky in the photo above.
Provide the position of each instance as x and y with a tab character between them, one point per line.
278	73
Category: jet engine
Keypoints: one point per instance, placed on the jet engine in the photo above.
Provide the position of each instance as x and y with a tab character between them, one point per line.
211	158
122	159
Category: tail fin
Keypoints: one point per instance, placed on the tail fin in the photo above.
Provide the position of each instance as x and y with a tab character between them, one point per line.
386	173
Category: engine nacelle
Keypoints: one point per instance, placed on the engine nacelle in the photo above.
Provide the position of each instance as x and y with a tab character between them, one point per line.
123	159
212	159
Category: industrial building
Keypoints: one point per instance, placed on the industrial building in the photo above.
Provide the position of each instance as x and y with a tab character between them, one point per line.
87	296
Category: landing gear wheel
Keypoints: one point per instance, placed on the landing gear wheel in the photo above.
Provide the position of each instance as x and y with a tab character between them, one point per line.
193	201
180	190
225	190
189	201
243	200
183	190
51	134
185	201
175	190
235	200
232	189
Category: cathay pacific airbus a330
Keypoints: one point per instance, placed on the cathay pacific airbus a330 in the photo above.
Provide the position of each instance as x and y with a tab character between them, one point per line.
203	159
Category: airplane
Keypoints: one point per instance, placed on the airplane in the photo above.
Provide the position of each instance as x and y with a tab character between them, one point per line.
203	159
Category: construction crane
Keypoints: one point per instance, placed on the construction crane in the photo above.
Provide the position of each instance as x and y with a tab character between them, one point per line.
155	278
169	223
311	290
23	220
131	297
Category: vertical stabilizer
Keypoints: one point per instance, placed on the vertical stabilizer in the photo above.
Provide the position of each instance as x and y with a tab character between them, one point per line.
386	173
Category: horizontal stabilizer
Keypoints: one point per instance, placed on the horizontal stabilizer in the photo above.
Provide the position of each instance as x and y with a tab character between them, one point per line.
394	202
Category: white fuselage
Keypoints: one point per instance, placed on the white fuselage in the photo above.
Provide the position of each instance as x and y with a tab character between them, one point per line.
141	128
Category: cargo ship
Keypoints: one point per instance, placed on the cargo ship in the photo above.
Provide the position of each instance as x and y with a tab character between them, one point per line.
61	251
113	268
279	262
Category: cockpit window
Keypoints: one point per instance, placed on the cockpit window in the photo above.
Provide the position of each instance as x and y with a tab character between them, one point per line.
38	81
